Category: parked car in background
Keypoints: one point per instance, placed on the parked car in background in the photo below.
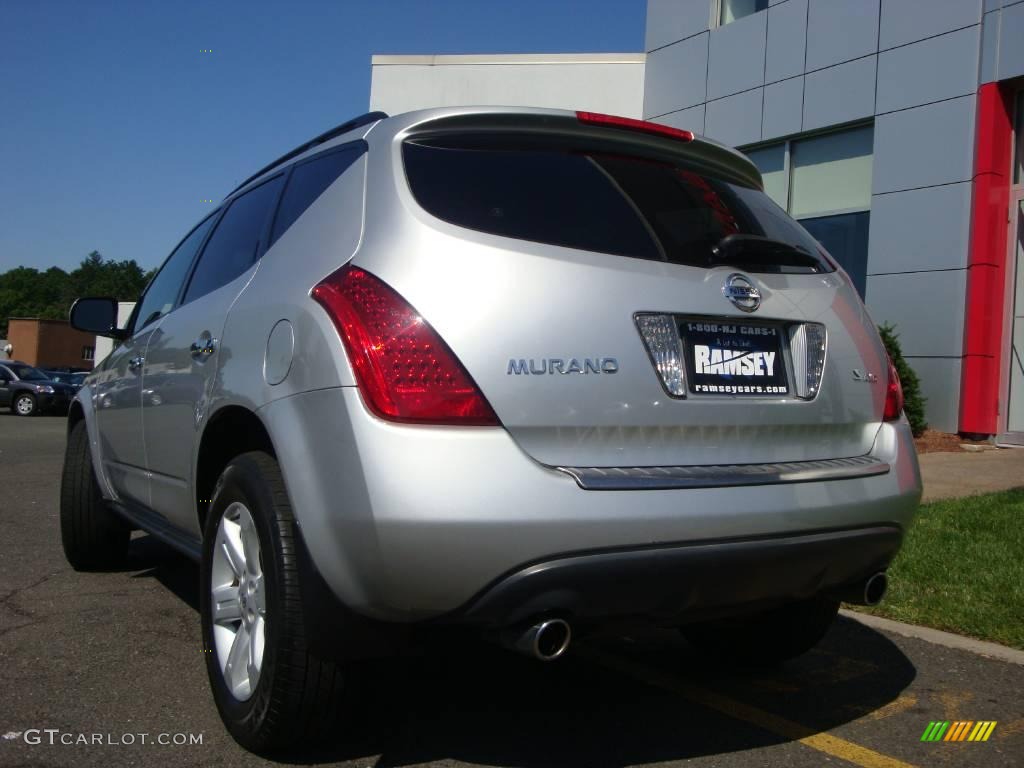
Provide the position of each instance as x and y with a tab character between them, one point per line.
29	391
527	372
73	379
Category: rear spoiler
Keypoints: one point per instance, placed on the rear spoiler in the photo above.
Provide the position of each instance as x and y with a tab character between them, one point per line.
609	132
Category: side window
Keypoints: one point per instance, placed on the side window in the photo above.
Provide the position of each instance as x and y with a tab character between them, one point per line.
162	292
235	242
308	181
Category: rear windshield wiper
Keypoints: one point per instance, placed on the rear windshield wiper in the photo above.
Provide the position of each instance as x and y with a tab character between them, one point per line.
757	251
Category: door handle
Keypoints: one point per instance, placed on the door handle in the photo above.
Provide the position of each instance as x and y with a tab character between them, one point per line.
203	348
135	363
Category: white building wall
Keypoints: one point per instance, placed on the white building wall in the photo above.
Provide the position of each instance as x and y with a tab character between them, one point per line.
598	82
105	346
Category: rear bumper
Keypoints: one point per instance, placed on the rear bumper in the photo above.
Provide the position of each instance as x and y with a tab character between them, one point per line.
685	582
417	523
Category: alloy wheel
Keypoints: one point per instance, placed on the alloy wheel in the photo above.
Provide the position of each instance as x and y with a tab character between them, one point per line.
238	601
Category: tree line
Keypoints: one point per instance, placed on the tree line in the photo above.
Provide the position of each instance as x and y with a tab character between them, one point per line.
27	292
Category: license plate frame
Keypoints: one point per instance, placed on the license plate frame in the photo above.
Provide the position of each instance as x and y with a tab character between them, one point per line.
734	358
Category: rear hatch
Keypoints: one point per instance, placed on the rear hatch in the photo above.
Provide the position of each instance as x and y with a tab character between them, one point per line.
627	299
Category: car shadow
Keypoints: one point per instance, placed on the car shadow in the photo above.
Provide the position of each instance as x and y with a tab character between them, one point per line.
150	558
616	699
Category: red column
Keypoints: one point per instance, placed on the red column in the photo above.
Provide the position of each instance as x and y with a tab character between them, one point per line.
986	264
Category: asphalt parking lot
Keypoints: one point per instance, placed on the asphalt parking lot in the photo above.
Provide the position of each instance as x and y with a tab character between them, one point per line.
119	655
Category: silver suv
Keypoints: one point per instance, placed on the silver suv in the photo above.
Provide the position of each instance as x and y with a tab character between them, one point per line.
521	371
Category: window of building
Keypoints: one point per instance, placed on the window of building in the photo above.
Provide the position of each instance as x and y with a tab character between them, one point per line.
731	10
88	353
308	181
772	162
1018	163
825	183
235	243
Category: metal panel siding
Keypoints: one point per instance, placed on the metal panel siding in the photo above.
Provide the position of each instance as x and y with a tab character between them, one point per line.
990	47
672	20
787	40
783	108
1011	42
839	94
983	340
922	229
676	76
925	307
735	120
736	56
691	119
924	146
840	30
906	21
938	68
938	377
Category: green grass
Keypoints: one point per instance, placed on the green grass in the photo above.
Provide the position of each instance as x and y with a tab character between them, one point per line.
961	569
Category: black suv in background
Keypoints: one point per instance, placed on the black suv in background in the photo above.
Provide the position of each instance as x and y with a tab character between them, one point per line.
29	391
73	378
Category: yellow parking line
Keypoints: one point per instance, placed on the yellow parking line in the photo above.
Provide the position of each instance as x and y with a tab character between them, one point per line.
823	742
894	707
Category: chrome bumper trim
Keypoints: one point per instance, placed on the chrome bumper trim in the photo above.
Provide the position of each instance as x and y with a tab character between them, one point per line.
723	475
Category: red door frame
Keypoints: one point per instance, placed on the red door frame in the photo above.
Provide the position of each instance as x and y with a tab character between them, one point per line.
986	265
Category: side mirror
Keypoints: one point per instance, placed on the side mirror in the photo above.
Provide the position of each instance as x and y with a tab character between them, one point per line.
96	315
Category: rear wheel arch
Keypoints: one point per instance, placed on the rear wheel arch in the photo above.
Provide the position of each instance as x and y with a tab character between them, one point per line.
230	432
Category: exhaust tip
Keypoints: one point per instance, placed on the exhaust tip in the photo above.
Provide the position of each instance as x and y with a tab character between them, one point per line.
875	588
551	639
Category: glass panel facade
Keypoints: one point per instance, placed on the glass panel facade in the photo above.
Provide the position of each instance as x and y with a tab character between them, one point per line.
825	183
771	161
831	173
737	9
845	237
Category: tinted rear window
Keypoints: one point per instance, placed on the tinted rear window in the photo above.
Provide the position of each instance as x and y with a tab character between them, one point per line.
593	201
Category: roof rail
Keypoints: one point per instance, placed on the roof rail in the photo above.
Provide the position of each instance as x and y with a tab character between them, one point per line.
369	117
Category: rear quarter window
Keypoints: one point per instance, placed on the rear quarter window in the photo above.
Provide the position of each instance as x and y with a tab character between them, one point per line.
308	181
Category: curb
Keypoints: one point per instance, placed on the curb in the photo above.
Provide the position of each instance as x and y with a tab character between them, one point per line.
938	637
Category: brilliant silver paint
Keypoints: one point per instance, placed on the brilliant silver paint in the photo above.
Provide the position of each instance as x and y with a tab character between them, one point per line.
409	522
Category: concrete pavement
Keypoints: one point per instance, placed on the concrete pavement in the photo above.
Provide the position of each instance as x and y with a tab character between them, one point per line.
950	475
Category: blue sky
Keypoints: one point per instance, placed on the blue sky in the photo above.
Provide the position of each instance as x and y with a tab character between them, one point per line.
114	126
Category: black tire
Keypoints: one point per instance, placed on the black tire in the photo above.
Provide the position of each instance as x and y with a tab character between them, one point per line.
298	697
765	638
31	407
94	537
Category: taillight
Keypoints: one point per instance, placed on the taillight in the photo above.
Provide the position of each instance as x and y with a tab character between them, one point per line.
893	394
405	371
629	124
